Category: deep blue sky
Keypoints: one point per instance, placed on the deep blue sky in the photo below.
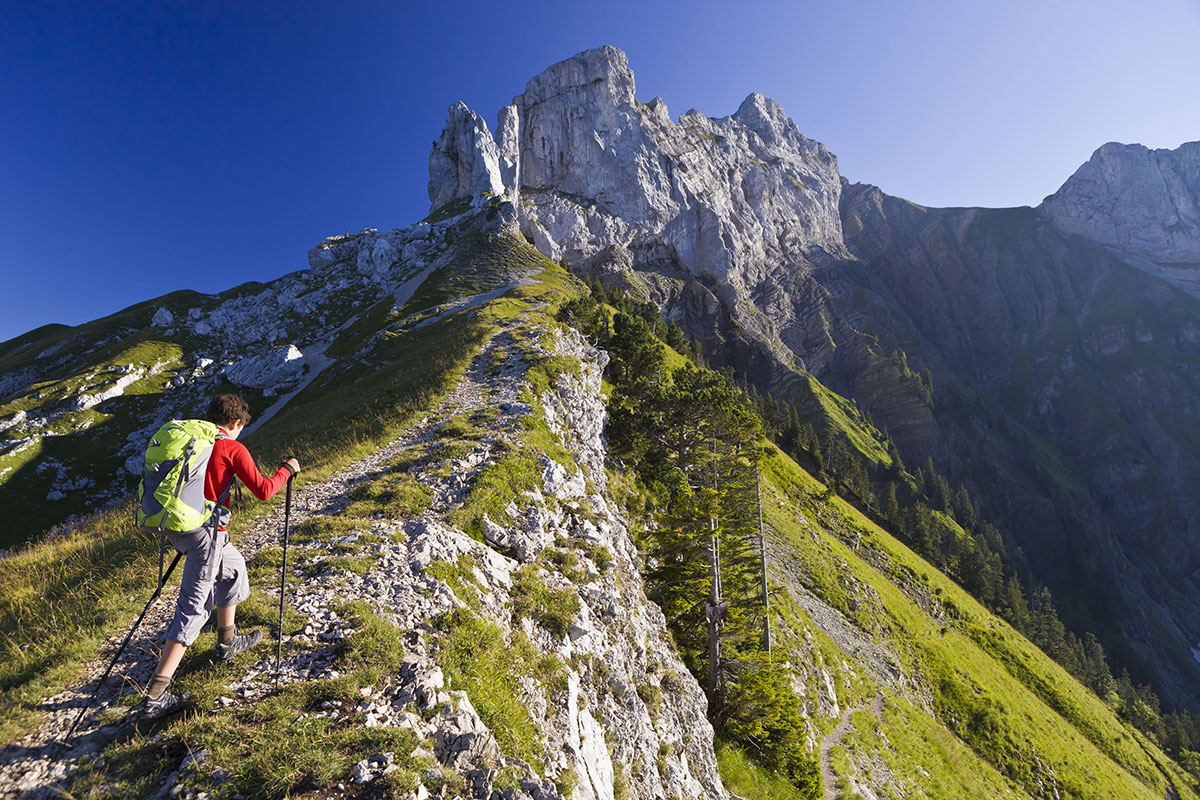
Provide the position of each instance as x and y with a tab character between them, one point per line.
147	148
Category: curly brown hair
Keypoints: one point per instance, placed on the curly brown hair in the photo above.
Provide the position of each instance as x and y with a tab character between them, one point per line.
226	409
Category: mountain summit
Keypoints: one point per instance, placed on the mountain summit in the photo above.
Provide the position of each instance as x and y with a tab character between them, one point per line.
709	197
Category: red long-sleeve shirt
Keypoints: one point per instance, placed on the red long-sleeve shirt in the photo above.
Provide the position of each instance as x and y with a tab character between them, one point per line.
230	457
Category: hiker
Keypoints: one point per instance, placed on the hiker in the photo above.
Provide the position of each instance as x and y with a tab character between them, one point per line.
214	572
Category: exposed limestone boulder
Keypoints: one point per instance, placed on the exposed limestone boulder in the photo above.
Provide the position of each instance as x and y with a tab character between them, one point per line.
269	370
377	259
334	249
162	318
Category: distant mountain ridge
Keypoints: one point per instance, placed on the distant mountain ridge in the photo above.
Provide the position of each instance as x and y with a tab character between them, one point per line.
1145	204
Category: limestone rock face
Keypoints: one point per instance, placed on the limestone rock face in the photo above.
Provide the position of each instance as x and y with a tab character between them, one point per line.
508	142
465	161
1143	203
605	726
718	197
727	198
583	134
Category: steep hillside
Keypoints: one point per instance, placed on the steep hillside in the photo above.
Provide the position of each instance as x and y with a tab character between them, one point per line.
944	699
862	623
466	610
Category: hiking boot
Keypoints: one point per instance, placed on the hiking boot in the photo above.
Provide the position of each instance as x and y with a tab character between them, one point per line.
240	644
163	705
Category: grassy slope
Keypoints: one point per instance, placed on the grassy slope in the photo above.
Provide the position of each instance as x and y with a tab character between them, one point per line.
62	596
1023	715
842	415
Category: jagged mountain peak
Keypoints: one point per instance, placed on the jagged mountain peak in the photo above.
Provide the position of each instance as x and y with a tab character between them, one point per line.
727	198
467	134
765	117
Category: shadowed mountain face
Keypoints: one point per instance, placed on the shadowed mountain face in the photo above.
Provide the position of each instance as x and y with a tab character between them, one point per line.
1069	380
1062	342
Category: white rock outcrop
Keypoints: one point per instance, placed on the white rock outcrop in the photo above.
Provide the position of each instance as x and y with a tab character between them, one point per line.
270	370
377	260
465	161
617	627
115	389
13	421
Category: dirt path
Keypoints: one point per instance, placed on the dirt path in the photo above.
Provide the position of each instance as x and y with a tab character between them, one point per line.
34	765
834	737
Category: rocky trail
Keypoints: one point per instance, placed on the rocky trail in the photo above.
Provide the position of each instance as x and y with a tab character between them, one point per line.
622	693
834	737
37	765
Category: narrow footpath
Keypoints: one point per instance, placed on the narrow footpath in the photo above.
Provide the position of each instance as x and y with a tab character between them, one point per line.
36	766
834	737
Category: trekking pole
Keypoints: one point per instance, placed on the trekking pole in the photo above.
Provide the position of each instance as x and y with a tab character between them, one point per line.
287	518
121	649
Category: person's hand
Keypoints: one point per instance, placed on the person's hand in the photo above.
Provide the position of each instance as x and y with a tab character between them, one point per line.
293	465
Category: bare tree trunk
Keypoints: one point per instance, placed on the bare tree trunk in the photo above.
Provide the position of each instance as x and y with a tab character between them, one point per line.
714	604
762	558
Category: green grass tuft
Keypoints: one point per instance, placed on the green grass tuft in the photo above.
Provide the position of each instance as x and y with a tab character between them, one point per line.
553	609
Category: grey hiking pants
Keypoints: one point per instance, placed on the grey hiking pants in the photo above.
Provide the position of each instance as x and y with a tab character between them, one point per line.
214	573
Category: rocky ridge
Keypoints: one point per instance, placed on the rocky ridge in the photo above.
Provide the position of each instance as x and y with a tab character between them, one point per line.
599	726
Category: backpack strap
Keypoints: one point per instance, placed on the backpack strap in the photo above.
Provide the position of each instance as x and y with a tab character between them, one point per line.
223	497
215	519
215	545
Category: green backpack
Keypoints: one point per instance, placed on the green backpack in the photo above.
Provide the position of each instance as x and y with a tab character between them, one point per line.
171	493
